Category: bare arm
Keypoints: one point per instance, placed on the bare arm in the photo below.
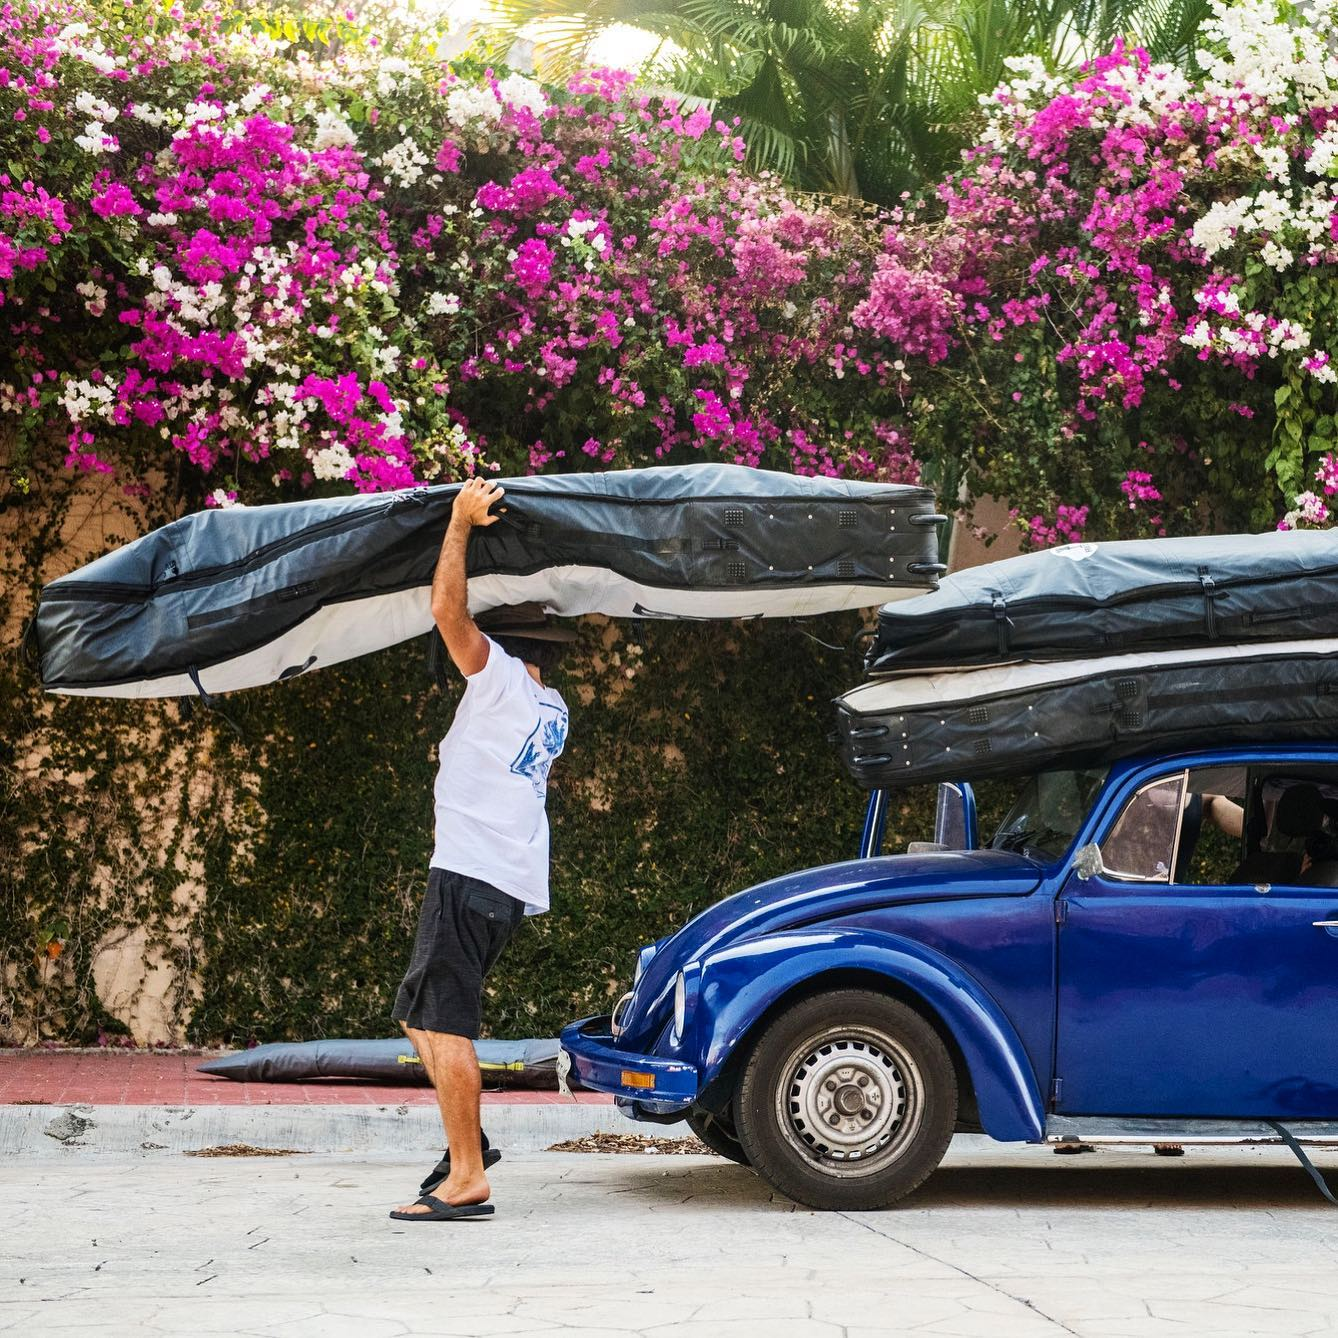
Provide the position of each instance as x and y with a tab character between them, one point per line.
466	645
1225	814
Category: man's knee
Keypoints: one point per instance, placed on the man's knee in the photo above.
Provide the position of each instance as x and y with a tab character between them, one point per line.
443	1041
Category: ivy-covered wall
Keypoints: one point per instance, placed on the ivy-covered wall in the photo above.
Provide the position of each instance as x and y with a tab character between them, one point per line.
164	876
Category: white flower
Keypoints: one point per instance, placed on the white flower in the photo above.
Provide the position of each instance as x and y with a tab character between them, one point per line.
101	61
442	304
198	113
95	106
405	162
331	462
95	140
252	101
150	115
472	103
389	74
95	297
1199	335
332	131
522	93
222	499
86	399
1288	337
1276	257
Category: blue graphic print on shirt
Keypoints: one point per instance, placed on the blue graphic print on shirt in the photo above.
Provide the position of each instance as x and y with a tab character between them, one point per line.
541	748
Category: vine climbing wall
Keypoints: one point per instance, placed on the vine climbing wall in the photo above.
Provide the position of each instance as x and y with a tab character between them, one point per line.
168	878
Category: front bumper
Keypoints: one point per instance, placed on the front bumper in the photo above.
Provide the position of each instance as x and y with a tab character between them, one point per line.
646	1080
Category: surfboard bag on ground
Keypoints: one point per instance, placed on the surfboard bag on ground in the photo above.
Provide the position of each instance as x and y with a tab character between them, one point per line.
243	596
1106	598
1013	719
528	1064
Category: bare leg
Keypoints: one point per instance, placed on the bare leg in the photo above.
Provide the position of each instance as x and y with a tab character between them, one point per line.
454	1069
424	1053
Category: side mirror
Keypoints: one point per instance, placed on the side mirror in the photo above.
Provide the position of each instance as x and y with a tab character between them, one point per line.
1087	862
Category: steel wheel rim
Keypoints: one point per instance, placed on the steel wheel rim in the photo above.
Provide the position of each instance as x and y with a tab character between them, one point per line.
849	1100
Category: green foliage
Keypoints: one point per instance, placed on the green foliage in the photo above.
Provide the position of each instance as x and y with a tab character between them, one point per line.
864	99
278	875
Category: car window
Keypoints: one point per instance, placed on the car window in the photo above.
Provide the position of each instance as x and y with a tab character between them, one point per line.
1212	831
1048	811
1266	826
1141	845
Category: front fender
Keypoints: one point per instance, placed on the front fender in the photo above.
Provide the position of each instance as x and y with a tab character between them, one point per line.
739	983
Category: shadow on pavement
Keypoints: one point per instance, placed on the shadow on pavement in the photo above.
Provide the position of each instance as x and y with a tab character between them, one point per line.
1173	1188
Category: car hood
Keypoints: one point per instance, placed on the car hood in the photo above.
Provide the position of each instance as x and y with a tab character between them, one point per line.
826	893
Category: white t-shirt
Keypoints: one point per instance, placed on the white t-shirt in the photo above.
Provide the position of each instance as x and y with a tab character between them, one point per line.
493	780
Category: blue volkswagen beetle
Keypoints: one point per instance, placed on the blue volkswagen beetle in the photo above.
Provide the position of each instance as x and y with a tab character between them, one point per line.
1141	953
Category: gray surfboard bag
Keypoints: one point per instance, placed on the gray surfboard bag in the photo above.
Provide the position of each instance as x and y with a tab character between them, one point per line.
234	598
530	1064
1012	719
1107	598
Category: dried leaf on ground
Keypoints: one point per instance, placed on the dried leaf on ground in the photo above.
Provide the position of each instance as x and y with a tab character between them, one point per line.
242	1150
681	1147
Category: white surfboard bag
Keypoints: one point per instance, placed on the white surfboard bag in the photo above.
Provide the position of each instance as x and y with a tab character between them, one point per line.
239	597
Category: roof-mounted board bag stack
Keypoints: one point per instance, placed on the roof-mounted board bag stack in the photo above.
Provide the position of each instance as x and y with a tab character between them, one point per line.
1084	654
235	598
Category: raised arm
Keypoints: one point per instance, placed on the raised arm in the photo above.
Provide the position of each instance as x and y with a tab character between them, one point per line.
467	646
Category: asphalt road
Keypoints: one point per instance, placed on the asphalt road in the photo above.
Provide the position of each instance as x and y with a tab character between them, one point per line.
1001	1242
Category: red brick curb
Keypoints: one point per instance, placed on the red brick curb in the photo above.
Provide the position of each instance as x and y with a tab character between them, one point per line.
155	1078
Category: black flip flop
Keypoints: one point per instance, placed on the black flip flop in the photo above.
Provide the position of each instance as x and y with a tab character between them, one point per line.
443	1168
445	1212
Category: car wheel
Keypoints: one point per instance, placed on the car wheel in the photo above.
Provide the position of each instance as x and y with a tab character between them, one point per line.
847	1101
716	1134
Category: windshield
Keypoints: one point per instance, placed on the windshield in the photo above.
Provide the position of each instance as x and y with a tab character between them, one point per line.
1046	815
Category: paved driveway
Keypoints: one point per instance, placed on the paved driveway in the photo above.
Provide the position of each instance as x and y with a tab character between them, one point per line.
1001	1242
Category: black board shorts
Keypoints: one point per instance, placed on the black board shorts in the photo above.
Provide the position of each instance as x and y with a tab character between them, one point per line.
463	927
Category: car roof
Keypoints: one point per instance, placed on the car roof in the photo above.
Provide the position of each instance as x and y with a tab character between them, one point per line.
1230	755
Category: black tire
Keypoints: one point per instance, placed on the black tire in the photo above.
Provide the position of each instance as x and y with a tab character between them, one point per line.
841	1048
716	1134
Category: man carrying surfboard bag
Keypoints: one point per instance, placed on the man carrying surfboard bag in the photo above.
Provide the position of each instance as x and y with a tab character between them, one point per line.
490	853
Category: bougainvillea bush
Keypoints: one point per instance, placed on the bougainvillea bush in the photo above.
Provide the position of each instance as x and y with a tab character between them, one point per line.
290	262
1159	306
301	264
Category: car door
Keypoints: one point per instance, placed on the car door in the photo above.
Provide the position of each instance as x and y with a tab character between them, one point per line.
1184	993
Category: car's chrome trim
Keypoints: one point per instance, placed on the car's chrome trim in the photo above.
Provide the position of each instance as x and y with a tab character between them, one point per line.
1134	1130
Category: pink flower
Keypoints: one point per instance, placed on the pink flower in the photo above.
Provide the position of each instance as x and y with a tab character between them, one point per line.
114	200
532	268
1138	487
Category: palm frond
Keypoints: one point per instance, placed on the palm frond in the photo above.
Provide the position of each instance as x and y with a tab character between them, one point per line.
842	95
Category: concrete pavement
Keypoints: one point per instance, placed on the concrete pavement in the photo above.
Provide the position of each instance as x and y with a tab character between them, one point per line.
1003	1242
